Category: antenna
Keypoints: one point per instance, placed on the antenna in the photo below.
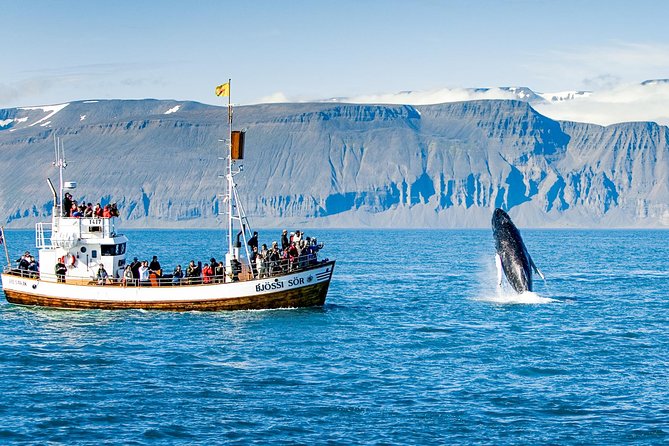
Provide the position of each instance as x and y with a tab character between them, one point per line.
60	164
55	148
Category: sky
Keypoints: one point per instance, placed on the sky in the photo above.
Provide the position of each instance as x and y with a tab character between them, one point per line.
59	51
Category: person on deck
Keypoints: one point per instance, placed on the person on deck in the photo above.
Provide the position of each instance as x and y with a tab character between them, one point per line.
101	275
61	269
134	267
67	205
207	273
213	264
219	273
253	241
254	256
33	266
75	212
155	267
198	273
24	260
285	243
273	259
293	254
144	274
127	276
177	275
260	266
191	273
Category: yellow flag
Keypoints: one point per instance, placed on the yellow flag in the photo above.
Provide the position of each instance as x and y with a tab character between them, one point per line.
223	90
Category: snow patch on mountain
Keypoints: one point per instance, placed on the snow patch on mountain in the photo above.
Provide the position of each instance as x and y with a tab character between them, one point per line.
51	110
173	110
562	96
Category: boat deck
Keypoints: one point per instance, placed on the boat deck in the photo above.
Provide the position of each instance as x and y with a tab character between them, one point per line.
281	268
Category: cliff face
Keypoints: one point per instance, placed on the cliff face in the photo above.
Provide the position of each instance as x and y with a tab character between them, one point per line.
444	165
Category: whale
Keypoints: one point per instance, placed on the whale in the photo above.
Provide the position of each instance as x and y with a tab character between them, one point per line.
511	255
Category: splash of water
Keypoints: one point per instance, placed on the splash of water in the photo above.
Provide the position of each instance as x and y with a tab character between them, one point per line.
489	291
504	296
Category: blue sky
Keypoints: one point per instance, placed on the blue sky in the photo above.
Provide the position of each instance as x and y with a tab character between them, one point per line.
60	51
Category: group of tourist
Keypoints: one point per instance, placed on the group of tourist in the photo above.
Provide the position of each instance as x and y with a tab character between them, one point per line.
28	265
141	273
144	273
72	209
297	251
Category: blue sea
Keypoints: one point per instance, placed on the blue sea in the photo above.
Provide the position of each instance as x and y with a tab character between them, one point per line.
415	346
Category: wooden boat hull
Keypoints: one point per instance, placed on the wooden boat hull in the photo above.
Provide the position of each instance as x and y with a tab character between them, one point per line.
306	288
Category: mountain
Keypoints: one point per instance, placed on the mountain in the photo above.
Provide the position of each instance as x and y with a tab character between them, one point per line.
333	164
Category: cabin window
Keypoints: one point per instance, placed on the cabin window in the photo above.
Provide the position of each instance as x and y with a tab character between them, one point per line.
113	250
94	253
83	249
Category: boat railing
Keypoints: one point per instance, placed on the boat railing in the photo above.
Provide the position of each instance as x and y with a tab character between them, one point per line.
43	233
66	231
273	269
21	272
268	270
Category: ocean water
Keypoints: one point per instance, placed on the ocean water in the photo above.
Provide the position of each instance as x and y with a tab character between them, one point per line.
414	346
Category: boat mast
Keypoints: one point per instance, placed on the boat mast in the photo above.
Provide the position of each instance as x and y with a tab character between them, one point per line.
229	192
235	210
60	164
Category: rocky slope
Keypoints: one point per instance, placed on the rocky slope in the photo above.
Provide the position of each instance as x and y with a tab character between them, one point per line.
343	165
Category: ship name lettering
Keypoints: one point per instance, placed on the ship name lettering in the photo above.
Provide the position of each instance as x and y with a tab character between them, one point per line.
296	281
266	286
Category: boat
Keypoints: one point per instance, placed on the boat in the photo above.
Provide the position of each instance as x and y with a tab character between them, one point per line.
90	257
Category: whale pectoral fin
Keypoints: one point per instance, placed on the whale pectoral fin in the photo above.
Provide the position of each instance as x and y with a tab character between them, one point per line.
498	262
536	270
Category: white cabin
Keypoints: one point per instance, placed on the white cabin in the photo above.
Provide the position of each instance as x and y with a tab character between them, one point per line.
85	243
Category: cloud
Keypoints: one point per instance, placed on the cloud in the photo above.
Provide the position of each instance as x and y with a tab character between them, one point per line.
63	84
623	103
437	96
603	81
274	98
34	87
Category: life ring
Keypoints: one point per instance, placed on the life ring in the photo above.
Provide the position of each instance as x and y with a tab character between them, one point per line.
71	260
